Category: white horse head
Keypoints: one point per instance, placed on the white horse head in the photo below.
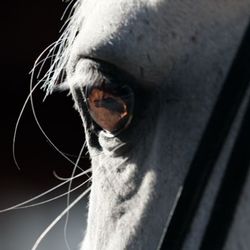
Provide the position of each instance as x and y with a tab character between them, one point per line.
144	75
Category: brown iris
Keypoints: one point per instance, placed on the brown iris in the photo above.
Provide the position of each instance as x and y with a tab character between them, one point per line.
111	110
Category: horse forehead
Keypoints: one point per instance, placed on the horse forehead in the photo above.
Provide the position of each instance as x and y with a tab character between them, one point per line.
131	34
147	38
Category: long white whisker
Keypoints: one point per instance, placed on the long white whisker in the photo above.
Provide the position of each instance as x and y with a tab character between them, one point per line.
41	129
44	193
66	9
65	24
17	124
46	231
59	177
63	48
40	62
37	62
45	60
57	197
70	16
68	197
23	107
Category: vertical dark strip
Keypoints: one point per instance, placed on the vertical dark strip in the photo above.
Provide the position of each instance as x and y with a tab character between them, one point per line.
230	190
213	139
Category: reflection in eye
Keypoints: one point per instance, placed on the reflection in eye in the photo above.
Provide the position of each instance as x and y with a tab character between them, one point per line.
111	107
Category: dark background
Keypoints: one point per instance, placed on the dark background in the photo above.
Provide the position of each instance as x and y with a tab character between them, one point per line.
27	28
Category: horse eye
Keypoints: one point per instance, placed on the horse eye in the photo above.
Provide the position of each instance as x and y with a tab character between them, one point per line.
111	107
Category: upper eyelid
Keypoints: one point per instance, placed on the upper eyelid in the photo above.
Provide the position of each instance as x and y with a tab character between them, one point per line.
76	80
88	70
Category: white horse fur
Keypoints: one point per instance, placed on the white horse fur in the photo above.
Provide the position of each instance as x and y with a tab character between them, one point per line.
180	52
